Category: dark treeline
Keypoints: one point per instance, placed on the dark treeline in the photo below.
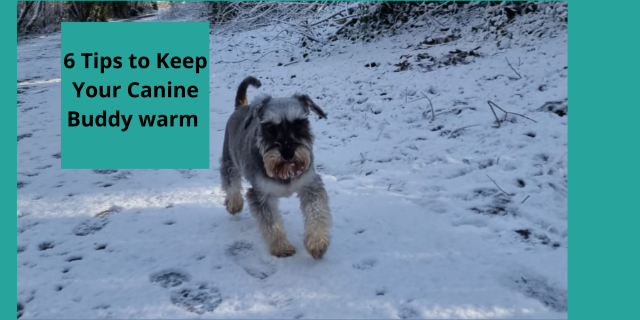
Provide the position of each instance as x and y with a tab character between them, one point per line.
46	16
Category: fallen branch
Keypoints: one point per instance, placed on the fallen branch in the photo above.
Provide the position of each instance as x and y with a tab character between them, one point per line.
301	32
335	14
344	25
492	104
274	37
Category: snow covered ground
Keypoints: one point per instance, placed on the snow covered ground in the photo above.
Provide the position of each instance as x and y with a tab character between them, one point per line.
449	217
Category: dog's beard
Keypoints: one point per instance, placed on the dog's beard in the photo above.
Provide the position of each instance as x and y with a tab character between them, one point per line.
277	167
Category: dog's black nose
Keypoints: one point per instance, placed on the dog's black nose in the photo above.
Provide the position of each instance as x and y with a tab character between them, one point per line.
287	153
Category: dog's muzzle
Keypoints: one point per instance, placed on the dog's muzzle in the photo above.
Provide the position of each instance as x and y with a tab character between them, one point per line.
278	167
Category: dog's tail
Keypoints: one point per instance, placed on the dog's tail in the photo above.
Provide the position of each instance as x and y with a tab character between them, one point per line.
241	96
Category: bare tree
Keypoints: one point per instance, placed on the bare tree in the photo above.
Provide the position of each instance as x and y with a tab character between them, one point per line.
79	10
23	15
35	17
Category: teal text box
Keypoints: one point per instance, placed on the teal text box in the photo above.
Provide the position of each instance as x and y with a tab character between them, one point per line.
182	141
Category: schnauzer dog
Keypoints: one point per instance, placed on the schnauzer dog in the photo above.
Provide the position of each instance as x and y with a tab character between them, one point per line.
270	144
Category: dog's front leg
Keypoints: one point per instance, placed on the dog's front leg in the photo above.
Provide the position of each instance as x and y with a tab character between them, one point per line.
265	209
314	203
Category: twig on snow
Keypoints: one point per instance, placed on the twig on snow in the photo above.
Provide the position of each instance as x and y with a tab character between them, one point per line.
525	199
378	138
433	113
512	68
284	30
494	113
414	100
494	182
460	129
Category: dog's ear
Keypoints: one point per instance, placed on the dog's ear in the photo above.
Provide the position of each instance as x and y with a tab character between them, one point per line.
309	105
257	111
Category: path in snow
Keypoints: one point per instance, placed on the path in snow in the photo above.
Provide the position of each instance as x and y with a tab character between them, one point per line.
420	228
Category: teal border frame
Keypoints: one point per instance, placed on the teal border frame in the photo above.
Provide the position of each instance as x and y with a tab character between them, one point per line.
603	213
9	166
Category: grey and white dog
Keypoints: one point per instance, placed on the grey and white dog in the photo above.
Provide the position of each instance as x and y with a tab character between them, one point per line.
269	142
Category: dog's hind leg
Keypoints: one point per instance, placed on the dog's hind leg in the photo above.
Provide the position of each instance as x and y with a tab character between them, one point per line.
314	203
231	183
265	209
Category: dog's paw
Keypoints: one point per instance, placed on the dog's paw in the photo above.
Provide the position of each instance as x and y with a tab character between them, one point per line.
282	249
317	244
234	203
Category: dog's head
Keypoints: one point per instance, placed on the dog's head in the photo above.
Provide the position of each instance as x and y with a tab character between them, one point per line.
284	137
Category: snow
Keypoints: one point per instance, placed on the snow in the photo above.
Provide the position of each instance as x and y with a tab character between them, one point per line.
430	220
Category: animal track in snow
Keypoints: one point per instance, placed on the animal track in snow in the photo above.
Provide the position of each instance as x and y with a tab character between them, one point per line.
46	246
406	312
105	171
170	278
96	223
539	289
365	264
244	255
485	164
187	173
197	299
90	226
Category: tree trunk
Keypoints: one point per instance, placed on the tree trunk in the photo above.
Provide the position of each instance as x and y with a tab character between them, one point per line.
73	11
35	17
44	15
119	9
27	7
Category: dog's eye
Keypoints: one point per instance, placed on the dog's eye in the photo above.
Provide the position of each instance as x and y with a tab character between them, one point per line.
272	129
299	123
